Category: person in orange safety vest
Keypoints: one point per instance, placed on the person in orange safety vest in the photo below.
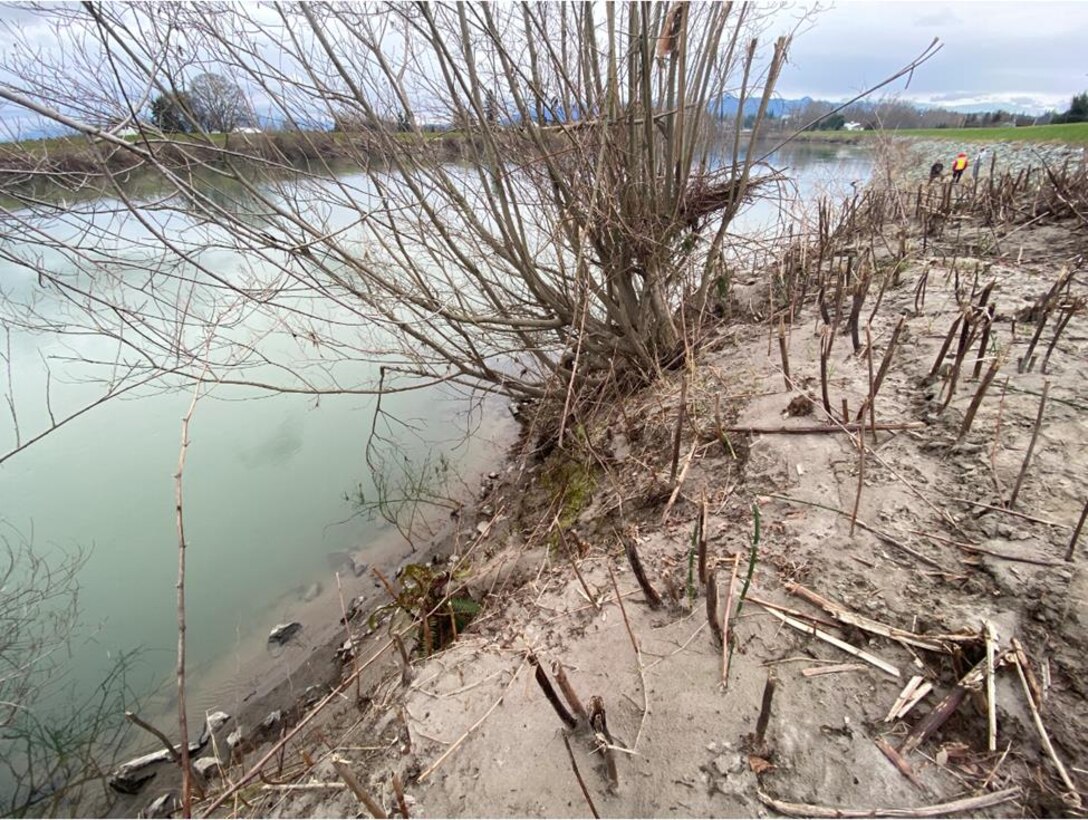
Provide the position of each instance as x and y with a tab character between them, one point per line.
959	165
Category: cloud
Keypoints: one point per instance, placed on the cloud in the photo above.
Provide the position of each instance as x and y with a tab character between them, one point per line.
1017	53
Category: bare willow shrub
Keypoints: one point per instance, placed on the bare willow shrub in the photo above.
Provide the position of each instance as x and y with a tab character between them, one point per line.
582	208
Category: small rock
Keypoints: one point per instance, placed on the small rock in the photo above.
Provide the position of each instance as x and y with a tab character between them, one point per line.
312	591
346	651
272	720
207	767
282	633
234	739
312	695
162	806
129	782
214	722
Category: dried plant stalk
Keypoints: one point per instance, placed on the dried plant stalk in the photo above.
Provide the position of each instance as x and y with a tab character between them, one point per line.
629	548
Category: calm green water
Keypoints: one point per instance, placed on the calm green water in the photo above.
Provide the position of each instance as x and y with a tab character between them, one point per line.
265	485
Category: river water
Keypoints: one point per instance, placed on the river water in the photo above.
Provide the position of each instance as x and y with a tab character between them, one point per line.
269	482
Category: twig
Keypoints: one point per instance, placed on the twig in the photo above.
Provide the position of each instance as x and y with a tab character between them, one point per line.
727	641
679	428
991	700
702	538
568	692
652	598
183	720
898	761
398	792
861	479
883	536
348	777
904	697
765	710
843	615
549	693
947	706
679	483
938	810
271	753
1014	513
605	743
835	668
883	666
882	371
712	607
1072	798
1031	445
638	659
577	572
1076	533
784	351
175	755
405	661
808	429
976	402
578	776
351	639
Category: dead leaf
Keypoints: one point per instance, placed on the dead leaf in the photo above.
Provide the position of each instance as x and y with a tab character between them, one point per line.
760	765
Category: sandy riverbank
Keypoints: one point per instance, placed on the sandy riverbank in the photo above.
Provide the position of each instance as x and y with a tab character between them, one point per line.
887	718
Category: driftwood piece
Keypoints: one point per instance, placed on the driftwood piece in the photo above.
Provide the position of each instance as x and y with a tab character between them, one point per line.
932	643
904	697
882	665
939	810
914	700
948	704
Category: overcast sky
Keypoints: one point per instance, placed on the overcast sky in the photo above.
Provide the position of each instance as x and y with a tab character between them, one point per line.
1024	55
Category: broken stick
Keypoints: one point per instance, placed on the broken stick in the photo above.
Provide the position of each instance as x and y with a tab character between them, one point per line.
883	666
939	810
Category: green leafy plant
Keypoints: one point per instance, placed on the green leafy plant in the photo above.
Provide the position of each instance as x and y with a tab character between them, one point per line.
437	600
753	554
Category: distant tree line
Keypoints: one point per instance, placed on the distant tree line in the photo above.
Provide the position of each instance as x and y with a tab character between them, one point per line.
1078	110
820	115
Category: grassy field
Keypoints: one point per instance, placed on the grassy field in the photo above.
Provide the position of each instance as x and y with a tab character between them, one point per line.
1069	133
